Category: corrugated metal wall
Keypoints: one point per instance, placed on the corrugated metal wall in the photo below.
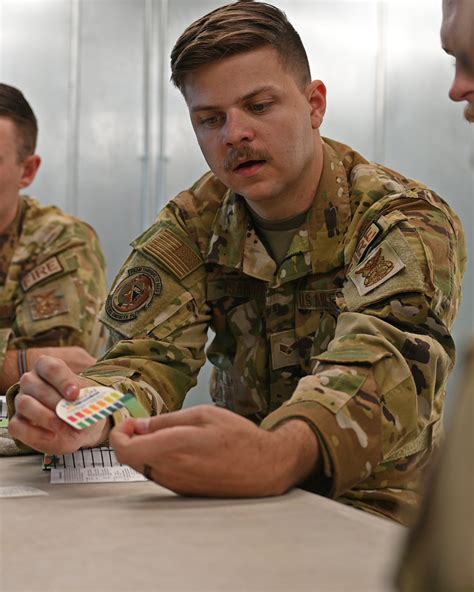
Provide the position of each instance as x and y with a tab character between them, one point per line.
115	135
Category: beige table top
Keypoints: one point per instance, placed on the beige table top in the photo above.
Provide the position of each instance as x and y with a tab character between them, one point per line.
141	537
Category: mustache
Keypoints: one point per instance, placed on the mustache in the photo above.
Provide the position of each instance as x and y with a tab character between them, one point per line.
243	153
469	112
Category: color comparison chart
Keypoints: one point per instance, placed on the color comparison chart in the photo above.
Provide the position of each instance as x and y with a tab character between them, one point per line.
94	404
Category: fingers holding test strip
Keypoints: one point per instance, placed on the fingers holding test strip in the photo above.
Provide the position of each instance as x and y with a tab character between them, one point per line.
35	422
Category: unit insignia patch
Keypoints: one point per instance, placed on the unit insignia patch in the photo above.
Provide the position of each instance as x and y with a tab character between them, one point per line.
134	293
376	269
47	304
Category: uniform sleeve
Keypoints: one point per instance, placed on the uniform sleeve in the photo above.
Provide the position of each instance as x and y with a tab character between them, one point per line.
158	319
4	339
376	395
63	294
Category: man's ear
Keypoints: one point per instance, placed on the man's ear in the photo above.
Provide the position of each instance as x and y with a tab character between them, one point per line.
316	95
30	165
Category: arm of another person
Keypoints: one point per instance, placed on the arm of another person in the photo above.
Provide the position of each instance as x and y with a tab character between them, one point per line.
76	358
58	317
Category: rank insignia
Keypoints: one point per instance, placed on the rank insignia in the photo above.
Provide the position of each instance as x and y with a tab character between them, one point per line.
284	347
134	293
47	304
376	269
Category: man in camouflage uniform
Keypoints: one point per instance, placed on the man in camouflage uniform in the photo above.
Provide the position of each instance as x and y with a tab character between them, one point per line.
333	338
52	270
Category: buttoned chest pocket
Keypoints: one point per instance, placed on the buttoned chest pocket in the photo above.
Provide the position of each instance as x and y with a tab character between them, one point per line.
239	332
240	357
316	314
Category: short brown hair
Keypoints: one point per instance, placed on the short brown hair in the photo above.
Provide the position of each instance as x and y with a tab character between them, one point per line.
237	28
15	107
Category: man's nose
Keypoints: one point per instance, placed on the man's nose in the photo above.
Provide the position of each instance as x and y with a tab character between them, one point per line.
237	128
462	87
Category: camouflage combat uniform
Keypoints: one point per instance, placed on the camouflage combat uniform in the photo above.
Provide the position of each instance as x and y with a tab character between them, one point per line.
439	552
349	333
52	281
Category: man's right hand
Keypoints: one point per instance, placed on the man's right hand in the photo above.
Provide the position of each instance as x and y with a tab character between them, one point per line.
35	422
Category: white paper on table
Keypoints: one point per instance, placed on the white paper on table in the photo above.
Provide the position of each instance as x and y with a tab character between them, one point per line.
90	465
20	491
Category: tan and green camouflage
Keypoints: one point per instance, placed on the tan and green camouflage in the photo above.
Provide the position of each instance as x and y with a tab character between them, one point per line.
350	332
439	550
53	284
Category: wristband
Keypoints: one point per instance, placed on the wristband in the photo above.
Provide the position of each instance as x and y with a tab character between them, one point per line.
22	362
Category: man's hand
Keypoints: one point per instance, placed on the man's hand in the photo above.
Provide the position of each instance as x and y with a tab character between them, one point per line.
210	451
35	422
75	357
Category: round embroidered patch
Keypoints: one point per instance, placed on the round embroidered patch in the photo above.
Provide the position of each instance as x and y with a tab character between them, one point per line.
133	294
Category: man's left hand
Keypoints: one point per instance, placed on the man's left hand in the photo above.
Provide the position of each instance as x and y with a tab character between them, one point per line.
210	451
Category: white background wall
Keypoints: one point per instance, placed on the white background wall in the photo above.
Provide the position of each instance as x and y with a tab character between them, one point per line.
115	135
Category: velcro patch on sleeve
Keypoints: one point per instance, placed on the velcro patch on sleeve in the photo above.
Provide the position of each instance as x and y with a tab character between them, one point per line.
49	268
47	304
174	254
382	264
367	239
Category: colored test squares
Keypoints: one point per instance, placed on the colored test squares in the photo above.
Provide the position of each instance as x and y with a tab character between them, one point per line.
93	404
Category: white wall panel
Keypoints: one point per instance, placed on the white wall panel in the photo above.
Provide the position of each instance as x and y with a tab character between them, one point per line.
110	125
35	57
341	41
184	161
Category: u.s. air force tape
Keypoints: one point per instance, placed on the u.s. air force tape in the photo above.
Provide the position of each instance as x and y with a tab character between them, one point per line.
133	293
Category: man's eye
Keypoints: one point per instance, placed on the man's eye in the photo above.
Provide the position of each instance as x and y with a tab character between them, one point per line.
211	121
259	107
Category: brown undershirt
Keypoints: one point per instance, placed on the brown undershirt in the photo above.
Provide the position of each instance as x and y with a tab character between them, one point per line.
277	235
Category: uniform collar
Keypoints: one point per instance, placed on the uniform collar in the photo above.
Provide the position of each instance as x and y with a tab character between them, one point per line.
316	248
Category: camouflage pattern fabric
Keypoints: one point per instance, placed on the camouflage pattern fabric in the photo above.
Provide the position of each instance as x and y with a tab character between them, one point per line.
349	333
439	551
54	284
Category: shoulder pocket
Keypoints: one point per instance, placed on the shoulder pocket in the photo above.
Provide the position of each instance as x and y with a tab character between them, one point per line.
144	297
390	268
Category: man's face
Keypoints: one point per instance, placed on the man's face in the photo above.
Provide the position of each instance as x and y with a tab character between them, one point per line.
457	38
255	126
11	169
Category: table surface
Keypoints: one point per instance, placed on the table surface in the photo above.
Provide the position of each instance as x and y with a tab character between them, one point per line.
141	537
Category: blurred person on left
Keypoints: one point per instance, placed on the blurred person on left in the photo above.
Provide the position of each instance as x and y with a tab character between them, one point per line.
52	272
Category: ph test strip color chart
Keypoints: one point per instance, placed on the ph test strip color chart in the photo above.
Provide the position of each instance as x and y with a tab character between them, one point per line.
92	405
